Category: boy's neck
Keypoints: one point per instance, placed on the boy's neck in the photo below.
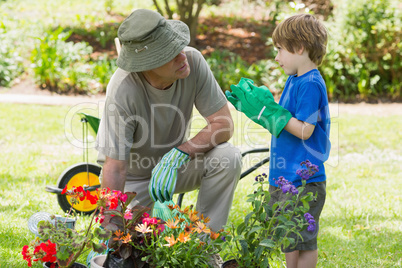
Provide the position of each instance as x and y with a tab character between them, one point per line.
305	64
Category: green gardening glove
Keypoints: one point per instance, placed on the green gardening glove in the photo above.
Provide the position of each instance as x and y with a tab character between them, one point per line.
164	175
259	105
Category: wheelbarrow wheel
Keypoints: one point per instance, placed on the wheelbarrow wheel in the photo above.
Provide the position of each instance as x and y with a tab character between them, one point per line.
78	175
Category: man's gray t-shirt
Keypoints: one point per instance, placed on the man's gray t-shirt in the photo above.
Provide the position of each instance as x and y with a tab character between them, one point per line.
141	123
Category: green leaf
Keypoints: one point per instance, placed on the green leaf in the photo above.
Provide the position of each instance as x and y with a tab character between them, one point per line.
268	243
305	204
254	230
258	251
241	228
244	246
247	218
265	262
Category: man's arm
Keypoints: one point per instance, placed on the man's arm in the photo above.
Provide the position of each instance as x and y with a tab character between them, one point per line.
114	174
219	129
300	129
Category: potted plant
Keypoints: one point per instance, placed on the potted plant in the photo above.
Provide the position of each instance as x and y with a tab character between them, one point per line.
126	244
186	241
258	239
60	246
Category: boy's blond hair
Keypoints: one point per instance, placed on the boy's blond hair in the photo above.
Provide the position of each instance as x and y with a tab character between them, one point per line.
302	31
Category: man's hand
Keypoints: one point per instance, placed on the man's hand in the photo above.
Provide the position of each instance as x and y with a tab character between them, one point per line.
259	105
164	175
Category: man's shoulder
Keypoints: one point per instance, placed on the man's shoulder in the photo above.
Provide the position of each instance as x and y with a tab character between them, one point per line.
121	81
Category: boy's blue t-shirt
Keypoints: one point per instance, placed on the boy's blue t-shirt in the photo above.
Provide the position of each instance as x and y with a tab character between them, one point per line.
305	97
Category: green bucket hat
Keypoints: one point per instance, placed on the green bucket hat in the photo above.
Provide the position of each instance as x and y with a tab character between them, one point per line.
150	41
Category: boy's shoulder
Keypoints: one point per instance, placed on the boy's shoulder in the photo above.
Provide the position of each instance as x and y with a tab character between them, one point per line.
312	78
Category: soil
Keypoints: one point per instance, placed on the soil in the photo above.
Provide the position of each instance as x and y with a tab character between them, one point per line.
230	264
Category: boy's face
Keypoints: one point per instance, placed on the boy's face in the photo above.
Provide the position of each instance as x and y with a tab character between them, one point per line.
292	63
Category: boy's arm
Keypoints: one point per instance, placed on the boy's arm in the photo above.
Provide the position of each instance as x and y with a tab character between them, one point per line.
300	129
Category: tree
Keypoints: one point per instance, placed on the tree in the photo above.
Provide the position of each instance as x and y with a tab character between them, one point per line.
188	11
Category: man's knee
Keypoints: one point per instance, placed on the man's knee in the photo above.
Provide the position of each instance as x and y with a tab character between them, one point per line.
226	157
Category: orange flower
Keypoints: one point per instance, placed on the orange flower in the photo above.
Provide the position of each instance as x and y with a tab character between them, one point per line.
193	216
205	220
201	228
118	235
172	224
185	211
126	239
214	235
188	228
184	237
179	219
171	240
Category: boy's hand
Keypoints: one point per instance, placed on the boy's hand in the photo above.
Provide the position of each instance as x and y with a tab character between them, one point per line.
259	105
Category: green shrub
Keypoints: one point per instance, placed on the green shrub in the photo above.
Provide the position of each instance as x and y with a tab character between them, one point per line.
11	63
65	67
364	51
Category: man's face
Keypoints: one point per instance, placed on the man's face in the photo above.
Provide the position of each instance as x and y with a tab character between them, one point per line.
175	69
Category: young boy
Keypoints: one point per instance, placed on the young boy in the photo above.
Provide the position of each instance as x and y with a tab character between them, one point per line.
299	124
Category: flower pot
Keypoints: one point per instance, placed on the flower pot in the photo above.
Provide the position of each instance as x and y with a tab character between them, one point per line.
233	264
75	265
113	261
69	223
98	261
230	264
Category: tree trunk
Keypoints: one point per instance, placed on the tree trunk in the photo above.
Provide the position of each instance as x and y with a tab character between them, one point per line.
189	12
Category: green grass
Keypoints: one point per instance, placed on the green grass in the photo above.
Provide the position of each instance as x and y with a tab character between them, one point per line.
361	225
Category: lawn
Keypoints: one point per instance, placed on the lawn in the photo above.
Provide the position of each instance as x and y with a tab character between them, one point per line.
361	225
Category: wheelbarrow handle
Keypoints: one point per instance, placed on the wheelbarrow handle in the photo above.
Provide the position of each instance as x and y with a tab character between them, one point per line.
258	150
245	173
56	190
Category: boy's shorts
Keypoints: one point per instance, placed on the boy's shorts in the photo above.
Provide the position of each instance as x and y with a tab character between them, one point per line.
309	241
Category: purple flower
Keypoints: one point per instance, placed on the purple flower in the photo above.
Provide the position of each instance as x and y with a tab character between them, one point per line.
311	227
311	222
223	238
260	178
286	186
305	174
281	181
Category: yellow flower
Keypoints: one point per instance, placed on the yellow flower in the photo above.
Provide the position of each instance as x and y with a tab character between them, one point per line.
172	224
201	227
143	228
184	237
171	240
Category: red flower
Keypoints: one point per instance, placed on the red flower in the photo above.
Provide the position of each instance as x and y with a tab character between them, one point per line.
44	252
91	198
26	255
64	190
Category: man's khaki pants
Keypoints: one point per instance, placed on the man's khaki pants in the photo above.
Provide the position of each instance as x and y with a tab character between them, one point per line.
214	173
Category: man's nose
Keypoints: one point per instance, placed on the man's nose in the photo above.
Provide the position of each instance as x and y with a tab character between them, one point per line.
181	56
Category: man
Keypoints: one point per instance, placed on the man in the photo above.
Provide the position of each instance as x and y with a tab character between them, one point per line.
148	109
